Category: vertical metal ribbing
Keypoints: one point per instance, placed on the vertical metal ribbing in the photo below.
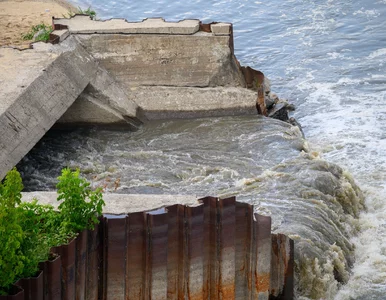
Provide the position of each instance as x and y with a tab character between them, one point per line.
156	261
136	256
226	248
67	255
80	265
244	228
52	282
261	257
115	256
32	286
210	251
193	253
282	267
94	262
175	287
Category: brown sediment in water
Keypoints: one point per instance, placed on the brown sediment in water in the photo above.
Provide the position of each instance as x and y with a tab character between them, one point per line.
18	16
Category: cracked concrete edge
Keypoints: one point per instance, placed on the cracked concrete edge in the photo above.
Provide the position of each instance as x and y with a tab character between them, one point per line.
188	102
83	24
39	106
121	203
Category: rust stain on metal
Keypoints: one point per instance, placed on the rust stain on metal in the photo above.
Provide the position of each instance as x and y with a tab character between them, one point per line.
255	80
136	256
156	260
205	27
262	282
216	250
193	252
115	254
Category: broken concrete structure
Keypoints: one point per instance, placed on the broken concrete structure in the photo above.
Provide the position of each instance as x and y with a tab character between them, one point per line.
119	73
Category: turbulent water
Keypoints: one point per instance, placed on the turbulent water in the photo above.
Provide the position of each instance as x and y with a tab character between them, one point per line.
326	57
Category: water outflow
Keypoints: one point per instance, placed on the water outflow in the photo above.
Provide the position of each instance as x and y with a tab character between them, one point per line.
262	161
327	57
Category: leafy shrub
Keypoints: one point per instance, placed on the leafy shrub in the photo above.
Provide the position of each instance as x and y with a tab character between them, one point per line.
28	231
42	231
11	233
81	206
43	36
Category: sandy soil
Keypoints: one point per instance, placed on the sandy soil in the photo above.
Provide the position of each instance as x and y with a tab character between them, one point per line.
17	17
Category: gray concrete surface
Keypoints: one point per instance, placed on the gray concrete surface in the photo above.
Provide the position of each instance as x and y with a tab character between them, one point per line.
102	102
121	203
200	60
187	102
39	88
83	24
117	73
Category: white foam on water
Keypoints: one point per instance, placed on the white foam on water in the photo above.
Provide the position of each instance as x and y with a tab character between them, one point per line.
377	53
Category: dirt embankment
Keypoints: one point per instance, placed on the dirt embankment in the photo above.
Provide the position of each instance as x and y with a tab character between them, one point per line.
18	16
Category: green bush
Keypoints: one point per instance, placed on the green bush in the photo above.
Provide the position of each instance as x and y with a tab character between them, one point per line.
11	233
81	206
43	36
28	231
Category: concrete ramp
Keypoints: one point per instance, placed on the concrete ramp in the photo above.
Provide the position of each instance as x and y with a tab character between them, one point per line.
37	87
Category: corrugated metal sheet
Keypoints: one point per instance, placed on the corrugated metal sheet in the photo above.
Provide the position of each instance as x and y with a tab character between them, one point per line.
219	249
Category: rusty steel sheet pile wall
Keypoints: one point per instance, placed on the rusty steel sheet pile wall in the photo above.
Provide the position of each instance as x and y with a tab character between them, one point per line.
218	249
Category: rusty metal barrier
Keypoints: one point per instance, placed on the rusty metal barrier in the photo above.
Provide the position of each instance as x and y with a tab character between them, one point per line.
218	249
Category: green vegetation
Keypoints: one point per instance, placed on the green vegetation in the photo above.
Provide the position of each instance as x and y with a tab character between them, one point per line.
89	12
81	206
43	31
28	231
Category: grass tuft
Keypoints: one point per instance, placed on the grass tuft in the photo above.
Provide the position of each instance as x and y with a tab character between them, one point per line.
44	34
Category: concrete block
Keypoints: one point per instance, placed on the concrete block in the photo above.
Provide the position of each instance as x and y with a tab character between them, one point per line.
221	28
84	24
58	36
103	102
176	103
41	86
194	60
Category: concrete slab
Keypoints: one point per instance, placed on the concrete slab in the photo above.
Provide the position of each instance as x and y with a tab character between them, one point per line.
84	24
105	103
176	103
38	87
221	28
121	203
166	60
60	35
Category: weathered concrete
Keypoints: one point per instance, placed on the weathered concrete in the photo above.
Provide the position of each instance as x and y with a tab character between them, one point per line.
122	203
119	73
37	88
84	24
103	102
187	102
201	60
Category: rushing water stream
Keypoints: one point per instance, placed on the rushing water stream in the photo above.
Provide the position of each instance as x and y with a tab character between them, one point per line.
326	57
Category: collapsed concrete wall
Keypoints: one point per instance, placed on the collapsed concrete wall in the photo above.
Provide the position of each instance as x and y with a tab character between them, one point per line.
119	73
30	106
39	85
170	69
